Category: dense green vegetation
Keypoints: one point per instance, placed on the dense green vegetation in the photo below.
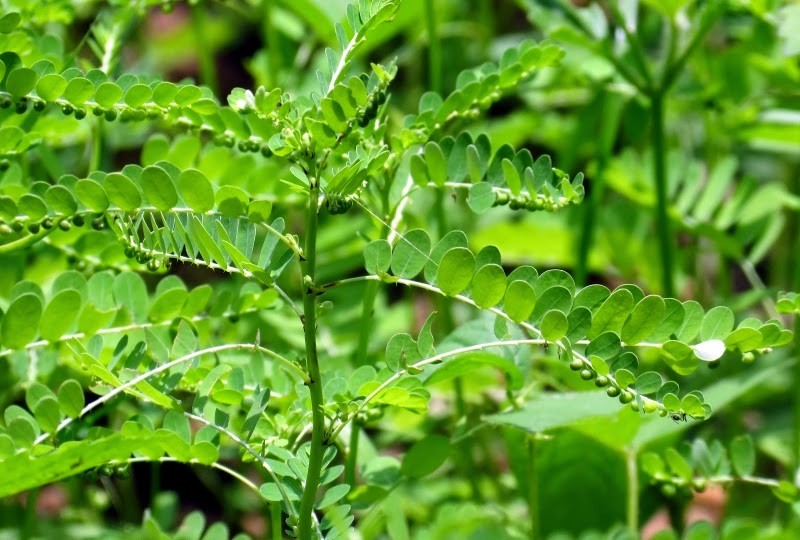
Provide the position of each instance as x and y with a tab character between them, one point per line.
399	269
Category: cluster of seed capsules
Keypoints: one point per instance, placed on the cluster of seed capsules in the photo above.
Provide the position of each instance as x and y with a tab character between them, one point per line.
65	223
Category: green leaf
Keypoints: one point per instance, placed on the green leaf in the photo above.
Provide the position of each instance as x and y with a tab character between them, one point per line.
20	322
448	241
679	466
648	383
411	253
107	94
554	325
130	292
51	86
377	256
692	320
60	314
425	456
489	285
717	323
47	414
606	346
743	339
556	297
511	176
196	190
122	192
78	90
481	197
520	300
580	320
21	81
612	313
644	319
332	495
158	188
743	455
9	21
61	200
437	165
70	398
92	195
137	95
168	305
549	410
455	271
401	350
419	172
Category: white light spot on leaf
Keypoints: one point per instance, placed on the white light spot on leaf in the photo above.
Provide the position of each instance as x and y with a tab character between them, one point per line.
710	350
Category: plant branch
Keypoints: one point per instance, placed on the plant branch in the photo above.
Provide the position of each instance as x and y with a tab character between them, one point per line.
312	362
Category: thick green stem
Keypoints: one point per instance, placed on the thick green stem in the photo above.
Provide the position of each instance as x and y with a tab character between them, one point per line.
365	325
205	55
312	364
434	48
632	507
275	517
660	170
352	455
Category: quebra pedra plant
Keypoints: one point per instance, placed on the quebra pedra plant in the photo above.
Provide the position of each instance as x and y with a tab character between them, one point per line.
219	186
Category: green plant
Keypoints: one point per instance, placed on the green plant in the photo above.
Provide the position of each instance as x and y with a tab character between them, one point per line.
269	206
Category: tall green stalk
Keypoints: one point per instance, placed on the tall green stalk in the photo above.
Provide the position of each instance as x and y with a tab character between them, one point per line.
434	48
533	490
312	363
632	507
663	225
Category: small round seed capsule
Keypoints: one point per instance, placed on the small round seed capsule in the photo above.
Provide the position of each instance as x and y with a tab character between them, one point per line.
21	107
47	223
111	115
612	391
39	105
80	113
97	111
625	397
67	109
587	374
64	225
601	381
33	227
669	490
78	220
576	365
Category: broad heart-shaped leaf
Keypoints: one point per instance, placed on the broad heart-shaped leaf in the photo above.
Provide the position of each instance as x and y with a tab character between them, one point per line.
158	188
425	456
488	285
377	256
197	190
612	313
20	322
455	270
644	319
743	455
520	300
411	253
60	314
717	323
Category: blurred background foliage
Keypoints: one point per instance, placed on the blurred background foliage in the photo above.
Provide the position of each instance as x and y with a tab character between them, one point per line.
732	156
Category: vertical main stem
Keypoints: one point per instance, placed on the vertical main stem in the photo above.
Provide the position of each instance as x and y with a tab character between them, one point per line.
796	397
312	364
660	171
